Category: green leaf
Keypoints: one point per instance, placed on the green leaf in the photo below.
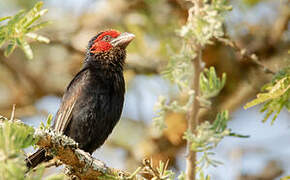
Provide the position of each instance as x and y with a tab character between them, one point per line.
285	178
37	37
35	17
2	41
19	27
10	48
38	26
25	47
48	123
15	136
275	91
220	123
34	14
239	135
181	176
210	84
274	96
4	18
16	18
251	3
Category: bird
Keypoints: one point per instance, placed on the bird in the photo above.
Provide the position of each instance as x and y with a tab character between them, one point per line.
93	101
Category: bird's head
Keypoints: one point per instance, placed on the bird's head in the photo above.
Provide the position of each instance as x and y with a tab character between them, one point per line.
109	46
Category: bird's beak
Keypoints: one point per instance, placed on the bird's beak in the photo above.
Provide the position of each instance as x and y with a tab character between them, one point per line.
123	40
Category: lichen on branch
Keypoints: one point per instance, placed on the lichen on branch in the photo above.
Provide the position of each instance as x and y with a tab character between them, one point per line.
79	163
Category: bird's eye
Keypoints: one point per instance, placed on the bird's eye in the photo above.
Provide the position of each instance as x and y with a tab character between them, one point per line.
107	38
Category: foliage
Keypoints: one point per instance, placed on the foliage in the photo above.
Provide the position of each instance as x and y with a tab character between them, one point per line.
14	137
46	126
210	85
285	178
207	137
20	27
203	24
159	172
274	96
251	2
162	108
163	172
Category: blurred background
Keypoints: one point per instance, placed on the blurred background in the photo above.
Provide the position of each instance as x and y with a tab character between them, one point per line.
260	26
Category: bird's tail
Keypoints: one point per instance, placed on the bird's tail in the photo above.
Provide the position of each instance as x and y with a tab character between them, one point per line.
36	158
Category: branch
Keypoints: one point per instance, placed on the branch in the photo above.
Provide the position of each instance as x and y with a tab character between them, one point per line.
246	54
192	120
80	164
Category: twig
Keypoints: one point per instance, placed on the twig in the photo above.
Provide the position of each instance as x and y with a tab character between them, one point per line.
148	165
245	54
150	172
53	163
49	164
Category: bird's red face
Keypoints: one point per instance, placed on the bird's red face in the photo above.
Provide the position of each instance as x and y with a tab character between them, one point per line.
107	40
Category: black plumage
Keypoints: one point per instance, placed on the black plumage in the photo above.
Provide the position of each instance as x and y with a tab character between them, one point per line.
93	101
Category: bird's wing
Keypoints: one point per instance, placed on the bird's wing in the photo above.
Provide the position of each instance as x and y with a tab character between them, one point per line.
69	99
